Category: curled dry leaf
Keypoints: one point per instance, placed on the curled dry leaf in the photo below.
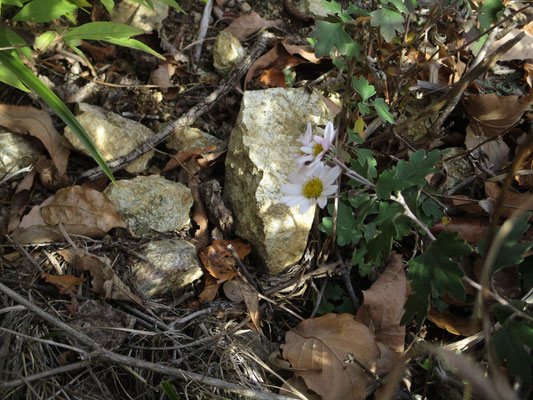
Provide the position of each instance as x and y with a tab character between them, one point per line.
455	324
84	206
63	283
512	200
105	282
383	305
320	348
210	289
24	119
161	76
238	290
247	24
470	229
219	261
272	77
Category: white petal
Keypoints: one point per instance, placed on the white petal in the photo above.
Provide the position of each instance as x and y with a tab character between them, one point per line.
292	201
305	206
322	201
291	189
329	190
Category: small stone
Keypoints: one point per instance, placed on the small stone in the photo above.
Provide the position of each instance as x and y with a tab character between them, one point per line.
134	14
16	153
112	134
173	265
457	169
313	8
192	138
151	204
245	7
260	157
227	52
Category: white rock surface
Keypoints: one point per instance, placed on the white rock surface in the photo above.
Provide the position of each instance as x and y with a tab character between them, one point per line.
112	134
227	52
151	204
260	156
173	265
192	138
16	153
143	18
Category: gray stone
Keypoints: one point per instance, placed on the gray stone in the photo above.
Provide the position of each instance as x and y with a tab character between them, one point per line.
260	156
16	153
313	8
151	204
457	169
227	52
173	265
192	138
112	134
134	14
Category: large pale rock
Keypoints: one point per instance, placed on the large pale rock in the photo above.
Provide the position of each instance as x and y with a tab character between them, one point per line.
173	265
227	52
261	154
187	138
135	14
151	204
112	134
15	153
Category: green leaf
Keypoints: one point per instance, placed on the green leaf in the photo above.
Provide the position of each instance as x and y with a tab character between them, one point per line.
173	4
332	7
419	166
513	343
44	40
365	164
327	36
512	251
364	108
110	32
13	62
383	110
526	271
388	184
353	50
100	31
399	5
9	37
169	390
44	10
12	3
109	5
135	44
363	87
11	79
389	22
434	273
488	13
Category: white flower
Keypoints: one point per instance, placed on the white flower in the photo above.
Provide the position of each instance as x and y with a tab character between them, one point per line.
310	185
314	150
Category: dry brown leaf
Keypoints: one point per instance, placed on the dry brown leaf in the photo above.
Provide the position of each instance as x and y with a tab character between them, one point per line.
105	282
219	261
321	349
280	56
384	305
210	289
161	76
470	229
251	299
183	156
232	291
82	206
24	119
523	50
247	24
299	384
528	68
455	324
272	77
199	215
492	114
512	200
63	283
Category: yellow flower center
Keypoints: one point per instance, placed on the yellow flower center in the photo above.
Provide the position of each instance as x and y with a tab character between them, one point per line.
317	149
313	188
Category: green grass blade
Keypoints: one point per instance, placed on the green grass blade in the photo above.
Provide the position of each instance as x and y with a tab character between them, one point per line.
12	62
